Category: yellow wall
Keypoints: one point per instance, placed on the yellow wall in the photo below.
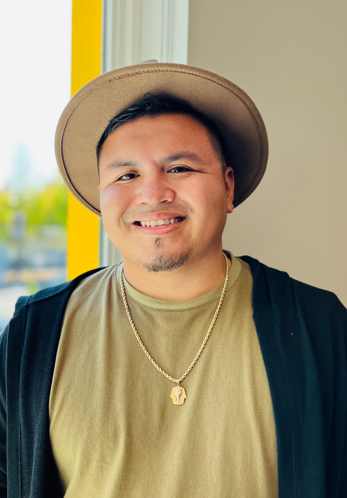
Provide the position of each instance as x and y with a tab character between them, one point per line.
83	226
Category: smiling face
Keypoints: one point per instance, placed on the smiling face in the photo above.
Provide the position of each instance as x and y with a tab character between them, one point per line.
164	197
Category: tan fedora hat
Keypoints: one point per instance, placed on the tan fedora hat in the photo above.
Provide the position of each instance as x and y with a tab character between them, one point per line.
90	109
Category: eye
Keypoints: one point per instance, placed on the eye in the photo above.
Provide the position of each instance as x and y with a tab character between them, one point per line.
179	169
127	176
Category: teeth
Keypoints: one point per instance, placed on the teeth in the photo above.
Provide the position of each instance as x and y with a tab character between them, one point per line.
154	223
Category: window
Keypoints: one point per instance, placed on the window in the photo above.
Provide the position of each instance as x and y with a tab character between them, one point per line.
36	46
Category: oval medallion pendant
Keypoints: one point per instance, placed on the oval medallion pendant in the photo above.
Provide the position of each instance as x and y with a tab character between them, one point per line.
178	395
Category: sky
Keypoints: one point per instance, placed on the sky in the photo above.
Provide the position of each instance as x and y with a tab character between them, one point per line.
35	49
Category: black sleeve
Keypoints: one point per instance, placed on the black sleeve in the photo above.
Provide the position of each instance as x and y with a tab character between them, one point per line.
3	413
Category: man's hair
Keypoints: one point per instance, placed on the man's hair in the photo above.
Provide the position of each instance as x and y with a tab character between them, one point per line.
156	105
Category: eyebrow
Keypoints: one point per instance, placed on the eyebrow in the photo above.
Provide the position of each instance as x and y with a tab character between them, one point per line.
182	155
167	160
121	164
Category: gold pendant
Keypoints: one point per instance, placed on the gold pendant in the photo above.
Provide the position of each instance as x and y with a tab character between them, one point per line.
178	395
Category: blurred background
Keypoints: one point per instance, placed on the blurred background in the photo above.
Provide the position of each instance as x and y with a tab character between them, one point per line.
35	41
288	56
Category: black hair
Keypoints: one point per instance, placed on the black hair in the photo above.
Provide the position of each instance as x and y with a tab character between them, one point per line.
155	105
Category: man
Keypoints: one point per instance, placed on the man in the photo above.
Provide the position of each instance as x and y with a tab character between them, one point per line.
183	371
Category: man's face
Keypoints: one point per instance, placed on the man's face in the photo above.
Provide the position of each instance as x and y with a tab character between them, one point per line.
165	172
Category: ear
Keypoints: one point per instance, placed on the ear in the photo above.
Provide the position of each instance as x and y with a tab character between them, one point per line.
229	187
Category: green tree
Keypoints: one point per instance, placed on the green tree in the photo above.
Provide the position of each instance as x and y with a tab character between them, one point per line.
41	206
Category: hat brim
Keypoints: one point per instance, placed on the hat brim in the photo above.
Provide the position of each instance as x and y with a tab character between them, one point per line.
87	114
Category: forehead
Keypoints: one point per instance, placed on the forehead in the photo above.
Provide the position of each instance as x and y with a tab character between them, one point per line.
182	125
158	137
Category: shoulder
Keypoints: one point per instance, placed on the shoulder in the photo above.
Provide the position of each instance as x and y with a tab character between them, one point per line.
321	299
52	297
273	287
46	305
53	292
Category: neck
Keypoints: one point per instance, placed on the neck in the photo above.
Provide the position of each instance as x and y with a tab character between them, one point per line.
192	280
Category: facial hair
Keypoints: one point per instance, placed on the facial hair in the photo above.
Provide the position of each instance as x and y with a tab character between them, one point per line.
163	262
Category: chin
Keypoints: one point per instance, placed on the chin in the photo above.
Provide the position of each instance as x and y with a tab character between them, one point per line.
164	262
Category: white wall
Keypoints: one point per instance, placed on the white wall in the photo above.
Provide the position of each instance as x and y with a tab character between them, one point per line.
290	57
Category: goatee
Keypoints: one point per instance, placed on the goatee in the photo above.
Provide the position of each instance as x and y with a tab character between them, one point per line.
163	263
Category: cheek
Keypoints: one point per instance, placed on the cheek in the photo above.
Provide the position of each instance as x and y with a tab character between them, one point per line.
112	209
112	201
213	201
113	206
108	195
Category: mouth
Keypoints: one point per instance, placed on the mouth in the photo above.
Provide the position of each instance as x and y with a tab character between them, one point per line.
159	223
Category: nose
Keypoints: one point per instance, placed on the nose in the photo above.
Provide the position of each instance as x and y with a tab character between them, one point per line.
155	189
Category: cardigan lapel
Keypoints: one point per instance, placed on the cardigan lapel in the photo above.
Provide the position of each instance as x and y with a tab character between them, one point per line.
45	313
294	384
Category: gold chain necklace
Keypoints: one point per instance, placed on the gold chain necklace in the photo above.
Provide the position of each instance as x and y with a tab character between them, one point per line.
178	393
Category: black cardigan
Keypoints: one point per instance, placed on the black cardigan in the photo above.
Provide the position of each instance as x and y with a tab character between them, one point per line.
302	332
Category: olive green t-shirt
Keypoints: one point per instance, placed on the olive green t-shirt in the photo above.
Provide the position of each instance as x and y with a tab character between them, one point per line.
114	429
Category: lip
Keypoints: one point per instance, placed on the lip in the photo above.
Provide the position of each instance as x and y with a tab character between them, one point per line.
158	216
159	230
